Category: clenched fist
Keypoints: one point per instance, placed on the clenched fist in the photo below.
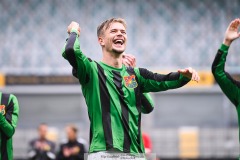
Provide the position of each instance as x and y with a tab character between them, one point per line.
73	25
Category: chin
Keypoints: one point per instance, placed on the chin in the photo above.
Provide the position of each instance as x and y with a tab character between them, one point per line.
118	51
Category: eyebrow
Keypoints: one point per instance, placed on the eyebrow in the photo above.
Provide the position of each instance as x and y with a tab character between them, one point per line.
117	29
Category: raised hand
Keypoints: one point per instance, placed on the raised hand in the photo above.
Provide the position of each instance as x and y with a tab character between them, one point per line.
232	32
73	25
190	73
128	60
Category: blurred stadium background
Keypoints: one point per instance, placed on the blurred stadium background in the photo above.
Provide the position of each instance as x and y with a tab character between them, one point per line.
195	122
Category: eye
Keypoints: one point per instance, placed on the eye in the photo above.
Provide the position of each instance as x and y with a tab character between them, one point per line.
123	32
113	31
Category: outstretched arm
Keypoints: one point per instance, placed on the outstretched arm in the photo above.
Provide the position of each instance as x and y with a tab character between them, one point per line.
229	86
154	82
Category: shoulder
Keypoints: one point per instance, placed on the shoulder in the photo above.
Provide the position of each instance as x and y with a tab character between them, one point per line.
83	142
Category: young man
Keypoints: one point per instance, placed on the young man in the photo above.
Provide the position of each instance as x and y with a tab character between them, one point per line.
9	109
146	100
72	149
229	86
112	91
41	148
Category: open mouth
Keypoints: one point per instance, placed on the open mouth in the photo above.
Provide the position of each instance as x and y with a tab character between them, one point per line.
118	41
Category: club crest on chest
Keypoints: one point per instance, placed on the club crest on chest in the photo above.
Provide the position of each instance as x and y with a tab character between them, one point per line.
3	109
130	81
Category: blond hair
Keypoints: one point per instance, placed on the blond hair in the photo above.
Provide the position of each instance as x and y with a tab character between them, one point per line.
106	24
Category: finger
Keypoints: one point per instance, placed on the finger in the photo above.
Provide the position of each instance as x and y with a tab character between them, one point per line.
130	60
234	25
190	70
231	25
126	63
193	76
196	77
131	56
182	70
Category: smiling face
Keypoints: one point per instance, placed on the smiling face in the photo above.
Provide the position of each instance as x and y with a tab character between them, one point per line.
113	38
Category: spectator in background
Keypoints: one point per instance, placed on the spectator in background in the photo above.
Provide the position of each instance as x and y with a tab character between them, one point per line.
147	143
72	149
42	148
9	110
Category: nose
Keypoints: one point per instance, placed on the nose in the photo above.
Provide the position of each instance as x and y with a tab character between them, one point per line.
119	33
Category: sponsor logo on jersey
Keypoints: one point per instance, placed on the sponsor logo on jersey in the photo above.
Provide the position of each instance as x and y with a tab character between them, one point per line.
2	109
130	81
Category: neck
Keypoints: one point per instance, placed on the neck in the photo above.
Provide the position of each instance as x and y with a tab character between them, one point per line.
112	59
42	138
72	139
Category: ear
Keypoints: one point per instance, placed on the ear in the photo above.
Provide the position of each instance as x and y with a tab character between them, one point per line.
101	41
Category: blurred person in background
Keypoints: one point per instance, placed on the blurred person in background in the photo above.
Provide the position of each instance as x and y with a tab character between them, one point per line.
112	90
229	86
147	142
72	149
41	148
9	109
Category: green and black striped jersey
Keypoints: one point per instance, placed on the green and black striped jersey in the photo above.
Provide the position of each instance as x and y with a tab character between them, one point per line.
9	109
113	98
229	86
147	104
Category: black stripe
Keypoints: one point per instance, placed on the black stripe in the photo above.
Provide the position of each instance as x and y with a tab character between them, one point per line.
105	104
139	134
173	76
4	152
117	78
137	92
69	50
9	111
237	83
146	104
9	107
158	77
216	60
5	98
214	66
91	135
74	73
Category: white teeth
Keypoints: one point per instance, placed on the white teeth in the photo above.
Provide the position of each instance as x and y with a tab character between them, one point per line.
119	41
